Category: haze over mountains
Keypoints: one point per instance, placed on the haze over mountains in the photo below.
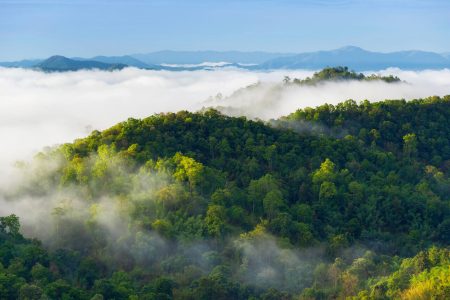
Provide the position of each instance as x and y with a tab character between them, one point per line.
198	57
354	57
360	59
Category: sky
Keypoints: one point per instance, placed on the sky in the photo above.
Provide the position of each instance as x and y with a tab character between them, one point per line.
41	28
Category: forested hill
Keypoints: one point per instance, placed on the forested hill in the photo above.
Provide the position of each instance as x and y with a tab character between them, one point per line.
324	203
387	124
340	74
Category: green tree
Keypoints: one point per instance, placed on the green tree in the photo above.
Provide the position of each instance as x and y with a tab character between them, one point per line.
273	202
215	220
187	169
409	145
258	189
30	292
326	172
327	191
10	224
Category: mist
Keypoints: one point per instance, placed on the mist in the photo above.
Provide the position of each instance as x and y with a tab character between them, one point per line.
270	100
43	109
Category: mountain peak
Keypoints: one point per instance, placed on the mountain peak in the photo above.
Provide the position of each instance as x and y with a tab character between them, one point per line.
351	48
57	57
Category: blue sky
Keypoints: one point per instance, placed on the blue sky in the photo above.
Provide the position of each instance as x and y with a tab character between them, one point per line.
40	28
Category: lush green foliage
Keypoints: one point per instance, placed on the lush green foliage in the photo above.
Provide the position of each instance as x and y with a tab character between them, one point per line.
339	74
323	204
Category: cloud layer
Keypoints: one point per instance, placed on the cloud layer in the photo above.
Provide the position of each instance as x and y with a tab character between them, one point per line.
41	109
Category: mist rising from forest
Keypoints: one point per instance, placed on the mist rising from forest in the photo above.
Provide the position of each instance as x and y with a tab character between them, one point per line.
42	109
86	217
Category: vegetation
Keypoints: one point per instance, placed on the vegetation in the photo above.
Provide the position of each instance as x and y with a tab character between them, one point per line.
339	74
333	202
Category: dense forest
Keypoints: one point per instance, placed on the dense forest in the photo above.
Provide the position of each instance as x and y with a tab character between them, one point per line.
334	202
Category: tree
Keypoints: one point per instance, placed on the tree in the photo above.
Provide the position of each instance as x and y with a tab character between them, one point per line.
187	169
258	190
163	227
164	286
409	145
327	191
215	220
10	224
326	172
273	202
30	292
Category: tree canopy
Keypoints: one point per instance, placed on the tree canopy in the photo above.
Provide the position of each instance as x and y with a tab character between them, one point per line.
337	201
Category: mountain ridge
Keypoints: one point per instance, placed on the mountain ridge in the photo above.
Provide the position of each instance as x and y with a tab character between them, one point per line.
354	57
359	59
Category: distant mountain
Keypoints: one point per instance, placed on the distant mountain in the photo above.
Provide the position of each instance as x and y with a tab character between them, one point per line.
26	63
59	63
62	64
125	60
134	62
354	57
359	59
198	57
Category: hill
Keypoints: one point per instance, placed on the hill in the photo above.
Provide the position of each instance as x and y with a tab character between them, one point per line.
205	206
340	74
59	63
262	99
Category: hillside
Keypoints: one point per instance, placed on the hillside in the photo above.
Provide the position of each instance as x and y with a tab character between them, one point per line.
205	206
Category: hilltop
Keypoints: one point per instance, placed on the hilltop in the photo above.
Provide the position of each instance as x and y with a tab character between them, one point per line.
340	74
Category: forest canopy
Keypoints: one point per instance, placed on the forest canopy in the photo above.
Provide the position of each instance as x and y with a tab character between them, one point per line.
337	201
339	74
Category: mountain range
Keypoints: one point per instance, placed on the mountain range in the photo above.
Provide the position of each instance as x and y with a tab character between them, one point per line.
355	58
198	57
359	59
